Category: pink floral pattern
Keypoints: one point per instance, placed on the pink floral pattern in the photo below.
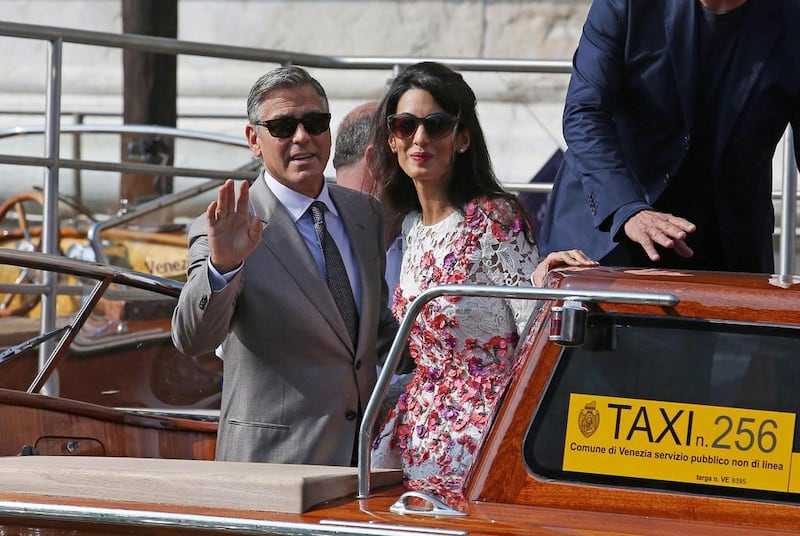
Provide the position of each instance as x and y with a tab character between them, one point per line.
463	347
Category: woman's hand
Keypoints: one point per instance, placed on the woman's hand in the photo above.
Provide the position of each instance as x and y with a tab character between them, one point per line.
573	257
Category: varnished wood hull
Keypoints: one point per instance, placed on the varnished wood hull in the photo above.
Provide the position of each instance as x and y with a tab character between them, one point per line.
56	426
503	496
40	514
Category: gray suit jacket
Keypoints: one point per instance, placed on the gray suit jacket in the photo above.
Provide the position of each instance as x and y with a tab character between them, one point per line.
293	382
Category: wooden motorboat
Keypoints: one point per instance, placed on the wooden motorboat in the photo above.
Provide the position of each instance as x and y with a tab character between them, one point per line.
644	402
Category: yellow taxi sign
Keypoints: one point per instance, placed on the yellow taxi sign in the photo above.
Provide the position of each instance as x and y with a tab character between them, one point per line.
677	442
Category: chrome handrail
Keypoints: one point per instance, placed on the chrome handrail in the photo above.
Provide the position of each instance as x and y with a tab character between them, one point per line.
83	128
400	340
91	270
104	274
234	524
788	207
164	45
143	168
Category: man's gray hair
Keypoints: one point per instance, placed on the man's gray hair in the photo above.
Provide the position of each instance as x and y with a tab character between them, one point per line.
279	78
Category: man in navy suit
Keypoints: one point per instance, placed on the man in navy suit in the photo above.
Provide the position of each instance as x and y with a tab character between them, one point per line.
671	120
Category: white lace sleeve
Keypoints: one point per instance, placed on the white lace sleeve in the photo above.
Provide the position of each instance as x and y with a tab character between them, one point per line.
510	259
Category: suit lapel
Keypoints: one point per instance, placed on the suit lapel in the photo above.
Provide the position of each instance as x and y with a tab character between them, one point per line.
757	38
679	17
360	239
281	237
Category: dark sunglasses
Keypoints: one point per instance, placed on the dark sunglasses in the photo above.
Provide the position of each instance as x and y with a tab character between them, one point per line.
436	125
284	127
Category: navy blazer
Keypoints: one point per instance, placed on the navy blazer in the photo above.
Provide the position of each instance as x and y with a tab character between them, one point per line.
629	115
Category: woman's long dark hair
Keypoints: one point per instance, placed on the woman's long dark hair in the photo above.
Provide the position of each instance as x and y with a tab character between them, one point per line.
472	175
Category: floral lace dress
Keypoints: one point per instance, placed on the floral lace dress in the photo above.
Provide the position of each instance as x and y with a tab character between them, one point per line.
463	347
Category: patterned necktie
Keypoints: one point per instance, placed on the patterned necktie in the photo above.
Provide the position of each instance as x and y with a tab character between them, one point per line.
337	280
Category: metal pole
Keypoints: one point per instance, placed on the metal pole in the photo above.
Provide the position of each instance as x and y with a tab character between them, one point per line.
49	241
76	154
788	250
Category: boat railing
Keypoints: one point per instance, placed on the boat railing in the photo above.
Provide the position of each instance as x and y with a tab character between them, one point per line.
393	358
245	172
103	276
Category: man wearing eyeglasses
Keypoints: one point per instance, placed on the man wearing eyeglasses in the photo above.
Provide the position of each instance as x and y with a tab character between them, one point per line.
288	278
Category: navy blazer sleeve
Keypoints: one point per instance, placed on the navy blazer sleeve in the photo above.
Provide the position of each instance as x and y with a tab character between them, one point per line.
595	88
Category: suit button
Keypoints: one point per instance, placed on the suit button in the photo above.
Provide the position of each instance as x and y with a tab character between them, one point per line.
357	364
350	415
666	178
686	140
203	302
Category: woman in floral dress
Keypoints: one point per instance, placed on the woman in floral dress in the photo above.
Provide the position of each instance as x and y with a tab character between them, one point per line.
461	227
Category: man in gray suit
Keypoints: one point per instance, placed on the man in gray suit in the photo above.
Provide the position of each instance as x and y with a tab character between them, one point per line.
297	376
